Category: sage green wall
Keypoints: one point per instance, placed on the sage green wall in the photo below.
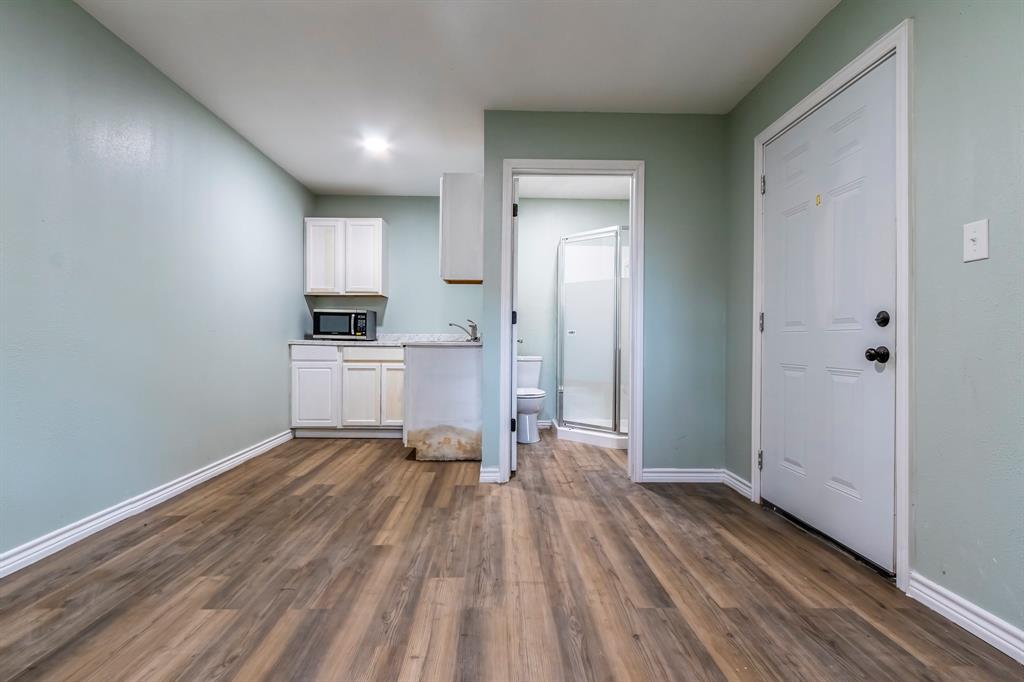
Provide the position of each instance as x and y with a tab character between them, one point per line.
149	271
542	224
684	306
967	163
419	301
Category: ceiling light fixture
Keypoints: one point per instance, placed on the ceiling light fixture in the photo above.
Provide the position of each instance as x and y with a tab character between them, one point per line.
376	145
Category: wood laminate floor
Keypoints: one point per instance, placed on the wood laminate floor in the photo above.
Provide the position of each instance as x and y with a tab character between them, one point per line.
344	560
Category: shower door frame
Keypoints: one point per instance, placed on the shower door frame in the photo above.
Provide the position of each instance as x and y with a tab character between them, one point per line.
615	230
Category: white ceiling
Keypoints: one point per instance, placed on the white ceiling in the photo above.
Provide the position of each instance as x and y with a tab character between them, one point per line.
573	187
305	80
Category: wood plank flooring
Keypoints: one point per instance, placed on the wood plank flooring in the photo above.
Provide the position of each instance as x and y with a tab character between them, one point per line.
344	560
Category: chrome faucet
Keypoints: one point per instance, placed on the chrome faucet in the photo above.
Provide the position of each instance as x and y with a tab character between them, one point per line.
472	332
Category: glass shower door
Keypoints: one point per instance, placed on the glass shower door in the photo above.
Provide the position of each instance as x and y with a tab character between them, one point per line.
588	329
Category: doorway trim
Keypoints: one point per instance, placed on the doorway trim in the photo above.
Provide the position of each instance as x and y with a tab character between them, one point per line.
894	44
519	167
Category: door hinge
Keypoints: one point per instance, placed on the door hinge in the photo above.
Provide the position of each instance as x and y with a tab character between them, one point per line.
762	185
760	323
515	317
513	426
515	210
760	459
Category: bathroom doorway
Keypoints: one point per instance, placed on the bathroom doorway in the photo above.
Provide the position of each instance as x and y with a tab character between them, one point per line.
571	252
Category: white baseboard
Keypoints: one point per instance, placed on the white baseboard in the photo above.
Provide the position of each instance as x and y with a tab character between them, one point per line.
490	475
348	433
738	484
544	423
1004	636
676	475
32	551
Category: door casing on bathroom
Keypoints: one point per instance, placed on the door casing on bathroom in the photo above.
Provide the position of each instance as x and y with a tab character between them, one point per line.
511	169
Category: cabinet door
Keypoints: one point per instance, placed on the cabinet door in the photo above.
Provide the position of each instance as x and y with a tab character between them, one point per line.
462	231
360	403
316	390
392	388
324	246
363	256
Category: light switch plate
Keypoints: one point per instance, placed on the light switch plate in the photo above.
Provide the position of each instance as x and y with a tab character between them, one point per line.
976	240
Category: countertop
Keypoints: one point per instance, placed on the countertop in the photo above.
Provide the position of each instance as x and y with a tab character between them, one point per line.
444	344
396	340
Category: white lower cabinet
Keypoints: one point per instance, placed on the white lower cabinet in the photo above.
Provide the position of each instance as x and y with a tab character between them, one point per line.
360	402
352	387
316	390
392	387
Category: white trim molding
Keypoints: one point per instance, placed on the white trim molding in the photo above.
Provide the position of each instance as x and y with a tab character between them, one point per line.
1004	636
518	167
896	43
676	475
34	550
740	485
348	433
490	475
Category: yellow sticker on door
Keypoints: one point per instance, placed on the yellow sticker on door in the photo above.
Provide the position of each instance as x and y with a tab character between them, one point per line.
817	200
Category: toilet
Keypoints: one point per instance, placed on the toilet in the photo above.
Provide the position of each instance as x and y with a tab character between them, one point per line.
529	398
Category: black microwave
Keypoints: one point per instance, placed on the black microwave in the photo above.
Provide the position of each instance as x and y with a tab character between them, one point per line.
359	325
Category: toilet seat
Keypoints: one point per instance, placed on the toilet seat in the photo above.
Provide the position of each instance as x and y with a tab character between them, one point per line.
530	393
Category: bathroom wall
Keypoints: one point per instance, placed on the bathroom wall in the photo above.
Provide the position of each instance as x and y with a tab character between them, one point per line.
967	162
418	300
542	224
150	264
685	242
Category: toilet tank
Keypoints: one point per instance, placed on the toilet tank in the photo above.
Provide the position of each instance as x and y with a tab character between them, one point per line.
528	371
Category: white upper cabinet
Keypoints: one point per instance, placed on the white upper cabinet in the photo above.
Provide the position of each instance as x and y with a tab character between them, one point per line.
346	256
363	256
323	248
462	228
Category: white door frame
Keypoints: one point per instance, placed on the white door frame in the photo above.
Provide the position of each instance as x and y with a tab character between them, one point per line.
896	43
520	167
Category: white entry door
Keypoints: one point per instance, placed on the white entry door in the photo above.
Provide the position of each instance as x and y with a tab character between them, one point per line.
828	391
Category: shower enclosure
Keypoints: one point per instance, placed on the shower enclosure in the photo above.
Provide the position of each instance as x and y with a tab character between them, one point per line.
593	329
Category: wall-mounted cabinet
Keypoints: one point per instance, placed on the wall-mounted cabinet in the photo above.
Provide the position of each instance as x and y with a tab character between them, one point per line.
462	228
346	257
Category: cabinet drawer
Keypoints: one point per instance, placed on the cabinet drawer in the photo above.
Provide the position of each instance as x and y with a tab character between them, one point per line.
373	354
324	353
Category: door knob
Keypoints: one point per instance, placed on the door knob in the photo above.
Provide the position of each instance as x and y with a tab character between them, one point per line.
880	354
882	318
